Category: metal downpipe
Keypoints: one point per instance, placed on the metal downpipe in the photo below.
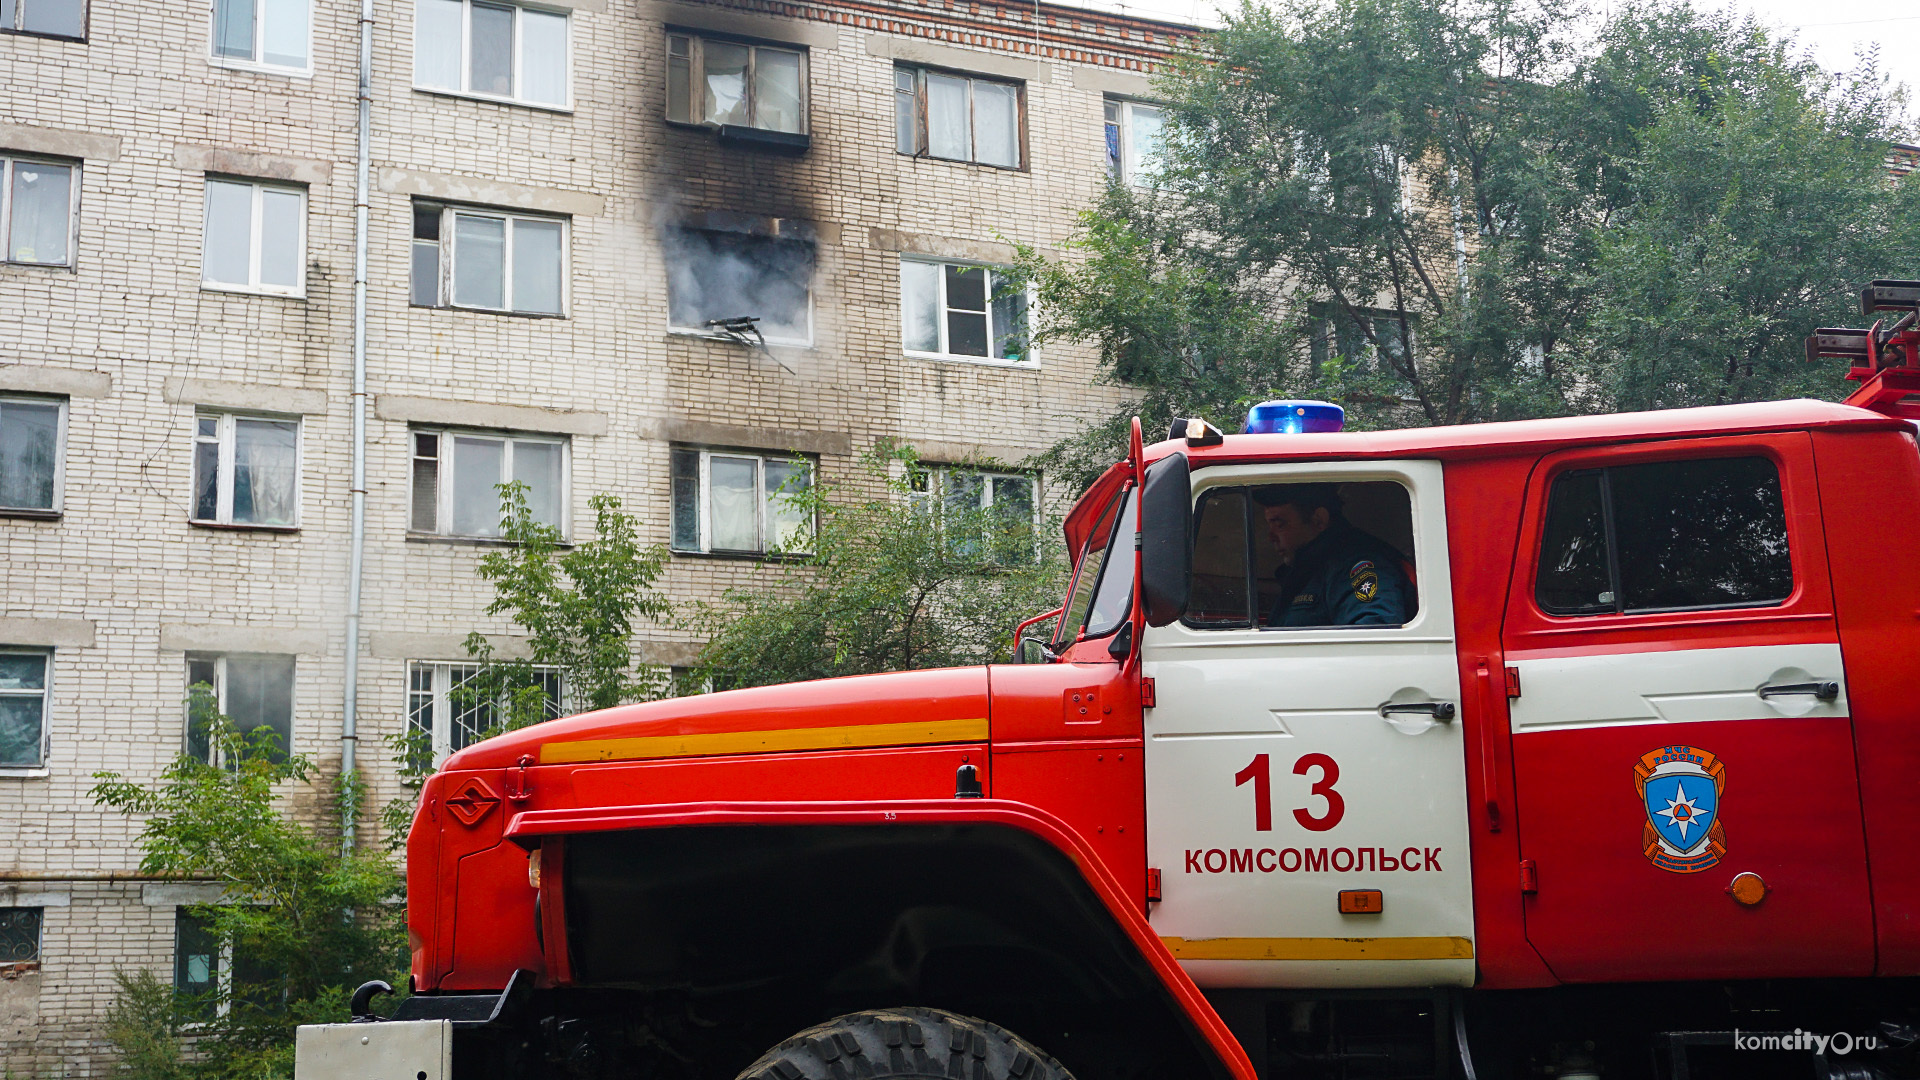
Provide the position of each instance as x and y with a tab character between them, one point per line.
350	704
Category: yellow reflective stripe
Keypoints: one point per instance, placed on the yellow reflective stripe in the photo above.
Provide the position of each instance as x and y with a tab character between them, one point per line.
918	733
1310	948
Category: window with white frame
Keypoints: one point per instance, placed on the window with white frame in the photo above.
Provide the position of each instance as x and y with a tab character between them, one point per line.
39	202
1370	341
457	477
47	18
256	237
997	508
1133	139
740	501
253	690
508	52
716	81
490	260
32	432
262	33
716	276
24	678
441	702
957	309
958	117
246	471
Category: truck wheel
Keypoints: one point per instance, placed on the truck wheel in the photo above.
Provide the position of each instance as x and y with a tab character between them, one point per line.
906	1044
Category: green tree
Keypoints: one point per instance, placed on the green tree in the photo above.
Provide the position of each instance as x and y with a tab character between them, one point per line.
1447	211
577	606
302	922
913	575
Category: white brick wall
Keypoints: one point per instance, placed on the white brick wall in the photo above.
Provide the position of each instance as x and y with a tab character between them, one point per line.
142	100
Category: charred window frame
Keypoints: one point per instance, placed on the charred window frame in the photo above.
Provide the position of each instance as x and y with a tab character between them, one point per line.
1133	140
26	690
1691	534
456	475
451	721
481	259
510	53
722	274
735	82
964	311
39	210
959	117
45	18
33	440
740	502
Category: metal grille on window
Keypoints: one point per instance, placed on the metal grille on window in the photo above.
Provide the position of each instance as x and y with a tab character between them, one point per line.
19	935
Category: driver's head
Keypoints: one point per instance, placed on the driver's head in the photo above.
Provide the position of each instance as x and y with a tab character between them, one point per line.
1297	513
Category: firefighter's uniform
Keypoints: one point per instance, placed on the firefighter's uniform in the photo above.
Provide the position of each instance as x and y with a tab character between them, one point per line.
1344	577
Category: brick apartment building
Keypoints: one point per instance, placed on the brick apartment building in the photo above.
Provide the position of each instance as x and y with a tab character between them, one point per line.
559	198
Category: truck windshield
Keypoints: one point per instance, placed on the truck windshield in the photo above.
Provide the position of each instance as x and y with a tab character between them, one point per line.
1098	601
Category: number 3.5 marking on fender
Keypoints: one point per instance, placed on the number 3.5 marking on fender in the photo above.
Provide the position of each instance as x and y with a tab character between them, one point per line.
1258	772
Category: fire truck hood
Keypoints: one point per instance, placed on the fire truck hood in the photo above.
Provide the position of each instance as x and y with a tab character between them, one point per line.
903	708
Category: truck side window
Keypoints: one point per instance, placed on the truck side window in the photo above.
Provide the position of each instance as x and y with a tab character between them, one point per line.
1353	565
1098	602
1665	536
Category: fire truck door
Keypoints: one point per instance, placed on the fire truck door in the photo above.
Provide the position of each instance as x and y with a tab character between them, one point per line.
1306	802
1682	748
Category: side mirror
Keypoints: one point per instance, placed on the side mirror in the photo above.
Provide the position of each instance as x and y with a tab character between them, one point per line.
1032	650
1166	539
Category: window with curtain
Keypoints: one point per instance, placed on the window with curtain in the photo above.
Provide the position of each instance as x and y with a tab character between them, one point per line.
957	117
263	33
32	432
508	52
37	201
457	477
717	81
246	471
23	707
1133	140
740	501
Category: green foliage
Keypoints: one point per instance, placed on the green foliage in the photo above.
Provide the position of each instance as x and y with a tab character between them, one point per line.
901	578
1447	211
144	1024
577	606
303	920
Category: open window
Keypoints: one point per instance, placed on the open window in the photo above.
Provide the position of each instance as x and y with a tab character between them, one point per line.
1286	555
720	280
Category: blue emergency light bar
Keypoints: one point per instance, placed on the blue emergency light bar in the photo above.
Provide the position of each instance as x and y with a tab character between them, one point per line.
1294	418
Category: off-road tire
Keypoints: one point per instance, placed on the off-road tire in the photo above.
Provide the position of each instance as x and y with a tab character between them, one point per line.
906	1044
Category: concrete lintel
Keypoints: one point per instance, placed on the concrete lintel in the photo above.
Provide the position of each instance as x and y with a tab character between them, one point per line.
246	396
916	51
207	637
220	159
486	191
598	7
949	453
59	142
180	893
667	653
478	414
40	379
945	247
35	895
702	433
814	35
46	633
419	645
1102	80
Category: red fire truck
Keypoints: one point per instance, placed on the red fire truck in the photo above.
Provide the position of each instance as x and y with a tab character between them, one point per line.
1628	784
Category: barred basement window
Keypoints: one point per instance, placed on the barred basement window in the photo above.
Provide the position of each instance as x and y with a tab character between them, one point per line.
20	935
457	477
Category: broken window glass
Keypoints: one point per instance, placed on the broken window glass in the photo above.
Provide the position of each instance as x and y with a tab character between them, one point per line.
733	83
726	82
727	275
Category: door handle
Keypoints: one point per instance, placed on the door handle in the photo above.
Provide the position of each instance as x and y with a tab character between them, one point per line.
1821	691
1442	711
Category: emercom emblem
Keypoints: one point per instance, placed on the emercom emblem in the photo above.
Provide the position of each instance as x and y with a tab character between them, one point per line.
1680	787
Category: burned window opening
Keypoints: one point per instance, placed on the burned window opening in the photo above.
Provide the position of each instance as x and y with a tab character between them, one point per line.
751	93
717	280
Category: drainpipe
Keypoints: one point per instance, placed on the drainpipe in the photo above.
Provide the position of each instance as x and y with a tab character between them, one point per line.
350	705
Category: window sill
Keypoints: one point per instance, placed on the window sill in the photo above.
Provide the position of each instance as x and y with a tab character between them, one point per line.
705	334
980	361
81	40
25	513
242	290
261	69
964	161
24	772
472	541
67	266
463	95
220	526
742	556
491	311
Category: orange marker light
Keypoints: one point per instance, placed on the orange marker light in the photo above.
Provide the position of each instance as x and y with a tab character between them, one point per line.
1748	889
1361	902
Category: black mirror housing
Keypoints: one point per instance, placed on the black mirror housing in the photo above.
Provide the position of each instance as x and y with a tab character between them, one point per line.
1166	539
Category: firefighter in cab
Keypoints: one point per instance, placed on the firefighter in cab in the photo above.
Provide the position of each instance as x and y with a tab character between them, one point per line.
1332	574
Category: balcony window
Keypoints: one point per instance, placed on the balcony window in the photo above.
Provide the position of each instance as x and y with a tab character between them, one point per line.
715	81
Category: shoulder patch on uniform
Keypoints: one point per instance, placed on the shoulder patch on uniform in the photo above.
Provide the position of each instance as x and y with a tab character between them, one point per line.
1363	564
1365	581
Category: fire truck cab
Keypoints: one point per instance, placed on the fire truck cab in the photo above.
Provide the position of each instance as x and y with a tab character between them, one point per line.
1623	780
